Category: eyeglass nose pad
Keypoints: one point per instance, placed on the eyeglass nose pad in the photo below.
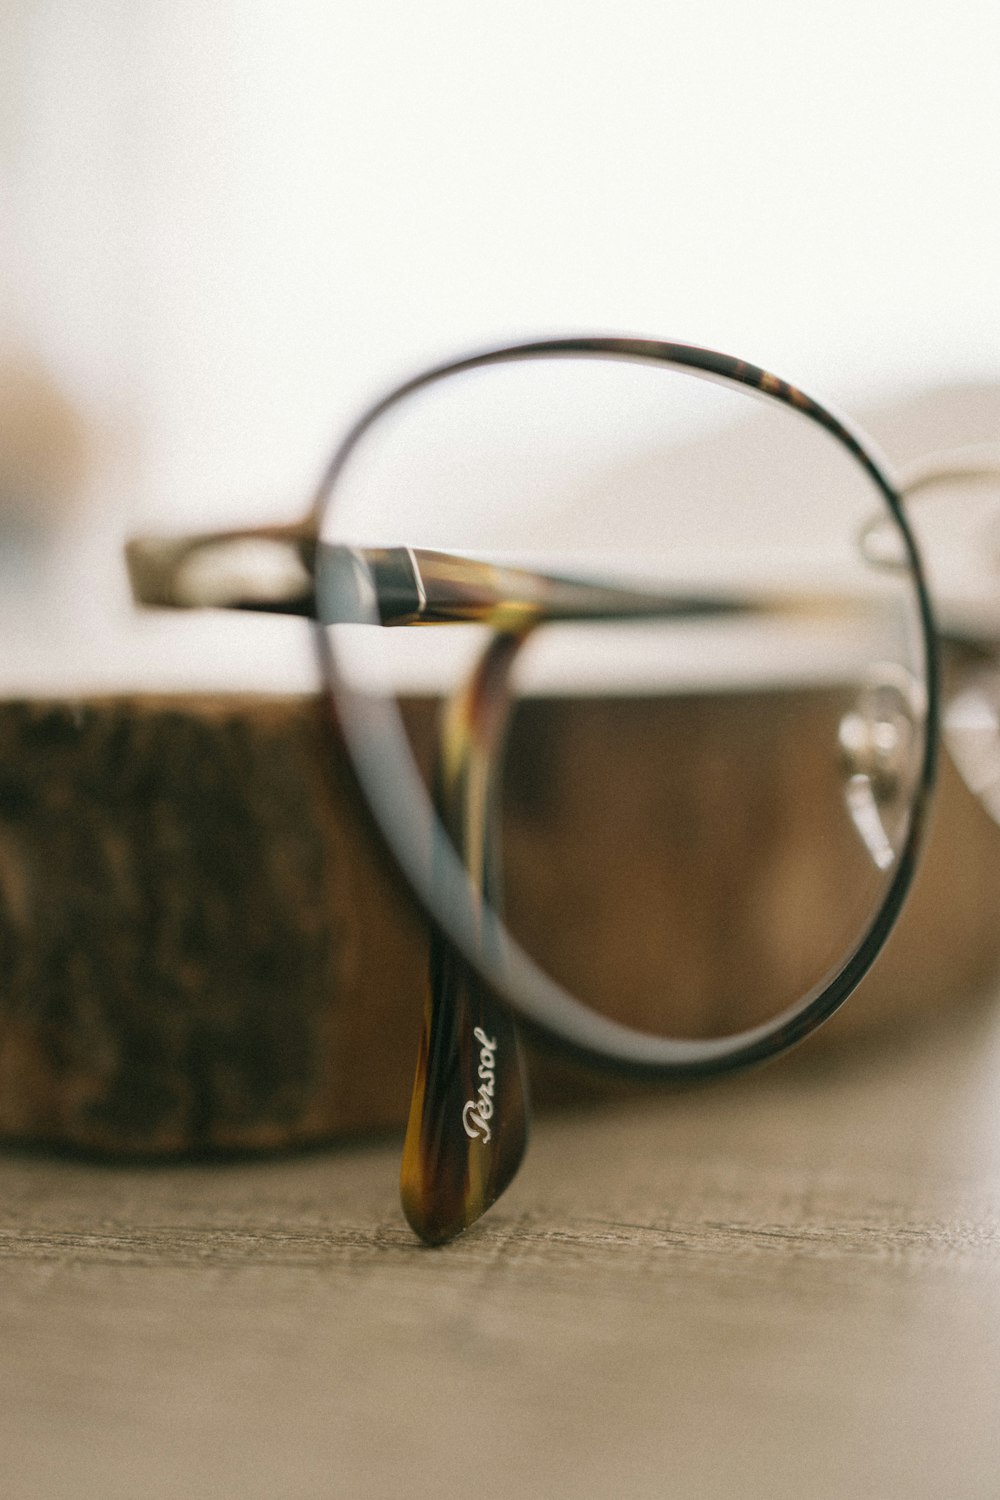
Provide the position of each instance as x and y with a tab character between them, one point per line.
880	741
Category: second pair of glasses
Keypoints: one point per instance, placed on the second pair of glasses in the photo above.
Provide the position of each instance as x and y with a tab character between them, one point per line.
683	665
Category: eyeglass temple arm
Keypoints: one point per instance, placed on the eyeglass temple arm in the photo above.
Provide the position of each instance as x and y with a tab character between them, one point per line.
469	1114
277	569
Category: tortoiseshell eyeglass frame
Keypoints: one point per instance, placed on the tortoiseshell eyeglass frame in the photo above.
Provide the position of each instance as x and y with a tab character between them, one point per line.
468	1119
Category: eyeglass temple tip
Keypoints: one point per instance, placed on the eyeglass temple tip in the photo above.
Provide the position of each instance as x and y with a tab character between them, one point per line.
271	568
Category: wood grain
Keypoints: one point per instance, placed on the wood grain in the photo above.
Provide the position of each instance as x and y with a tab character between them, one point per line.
202	947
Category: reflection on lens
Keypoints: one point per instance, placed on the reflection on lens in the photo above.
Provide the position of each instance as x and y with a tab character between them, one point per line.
718	734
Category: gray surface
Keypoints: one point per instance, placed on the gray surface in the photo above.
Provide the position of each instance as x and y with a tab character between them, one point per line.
787	1284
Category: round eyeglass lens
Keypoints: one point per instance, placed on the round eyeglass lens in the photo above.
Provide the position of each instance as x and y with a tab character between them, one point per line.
630	614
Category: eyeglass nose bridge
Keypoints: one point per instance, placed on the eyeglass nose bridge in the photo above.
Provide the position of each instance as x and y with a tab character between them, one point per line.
879	542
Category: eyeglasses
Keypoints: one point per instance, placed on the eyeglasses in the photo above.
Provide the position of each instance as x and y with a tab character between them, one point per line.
687	711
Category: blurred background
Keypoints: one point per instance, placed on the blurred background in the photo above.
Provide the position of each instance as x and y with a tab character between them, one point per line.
226	226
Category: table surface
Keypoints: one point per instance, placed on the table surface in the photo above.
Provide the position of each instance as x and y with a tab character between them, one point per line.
786	1284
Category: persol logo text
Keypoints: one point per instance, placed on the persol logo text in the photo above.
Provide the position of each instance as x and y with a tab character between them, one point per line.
479	1111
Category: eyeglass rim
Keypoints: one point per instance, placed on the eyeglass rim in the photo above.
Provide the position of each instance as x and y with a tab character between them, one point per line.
553	1014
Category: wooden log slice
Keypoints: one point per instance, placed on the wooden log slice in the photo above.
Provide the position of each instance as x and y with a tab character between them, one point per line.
203	948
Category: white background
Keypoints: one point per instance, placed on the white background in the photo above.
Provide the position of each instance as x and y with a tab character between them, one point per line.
230	221
226	225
